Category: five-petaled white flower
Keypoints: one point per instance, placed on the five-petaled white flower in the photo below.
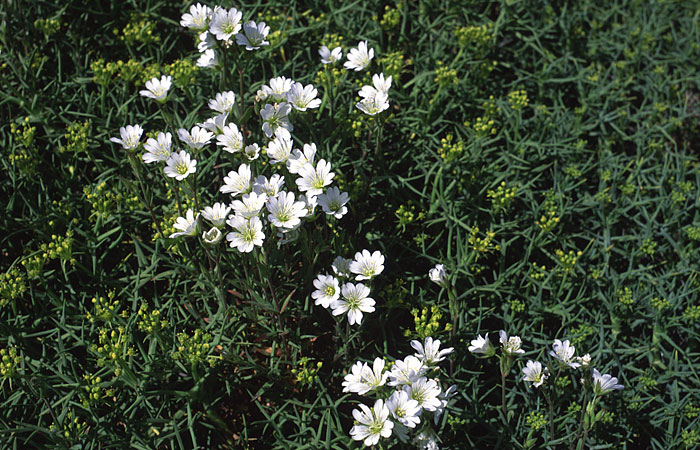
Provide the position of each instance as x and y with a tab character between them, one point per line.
371	423
425	391
602	384
373	104
406	371
198	138
299	159
237	182
303	97
312	179
367	265
187	225
363	379
279	86
341	267
534	373
253	35
404	409
213	236
225	23
197	17
359	58
271	187
215	124
207	41
223	102
276	120
216	214
354	301
230	139
327	290
430	351
248	233
330	56
511	345
437	275
284	211
180	165
251	151
130	136
207	59
564	353
157	150
249	205
157	89
279	149
481	345
333	202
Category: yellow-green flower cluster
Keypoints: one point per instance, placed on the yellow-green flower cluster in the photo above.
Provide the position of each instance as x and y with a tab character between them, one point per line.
307	372
113	348
477	37
516	305
13	284
690	410
660	304
449	151
332	40
693	233
550	210
518	99
625	297
483	126
130	71
536	420
195	349
139	30
73	428
60	247
692	313
104	201
392	64
106	309
582	333
24	133
94	392
648	247
391	17
502	197
47	26
690	438
444	76
427	322
9	360
407	214
329	73
76	137
680	192
489	107
567	261
23	156
537	273
183	71
482	244
150	322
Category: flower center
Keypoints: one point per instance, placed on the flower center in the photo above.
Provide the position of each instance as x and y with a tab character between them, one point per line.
329	291
181	168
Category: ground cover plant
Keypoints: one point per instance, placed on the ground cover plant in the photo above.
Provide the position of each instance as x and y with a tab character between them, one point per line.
348	224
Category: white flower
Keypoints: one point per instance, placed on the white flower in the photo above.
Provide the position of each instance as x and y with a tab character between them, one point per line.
602	384
284	211
275	120
404	409
248	233
437	275
367	265
303	97
328	56
533	373
406	371
157	89
373	104
230	139
341	266
197	17
250	205
380	83
213	236
216	214
207	59
354	302
564	353
216	124
223	102
511	345
207	41
298	159
271	187
364	379
251	151
481	345
237	182
180	165
312	179
327	290
158	150
130	136
426	440
371	423
425	392
584	360
310	203
187	225
333	202
430	351
279	149
253	35
359	58
198	138
278	88
226	23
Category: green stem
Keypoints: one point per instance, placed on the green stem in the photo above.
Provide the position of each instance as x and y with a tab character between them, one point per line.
134	162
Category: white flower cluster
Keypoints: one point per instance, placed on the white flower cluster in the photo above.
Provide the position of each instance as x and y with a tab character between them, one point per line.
351	298
413	398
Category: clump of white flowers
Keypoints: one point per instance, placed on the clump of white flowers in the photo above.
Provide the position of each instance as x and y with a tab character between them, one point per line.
409	396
